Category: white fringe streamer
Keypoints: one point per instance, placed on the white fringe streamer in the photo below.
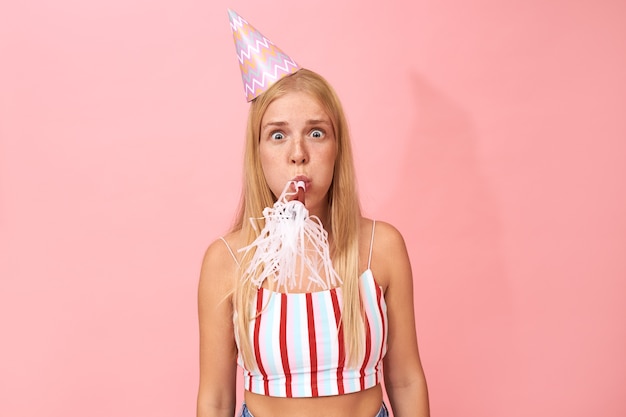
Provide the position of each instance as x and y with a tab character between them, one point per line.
291	238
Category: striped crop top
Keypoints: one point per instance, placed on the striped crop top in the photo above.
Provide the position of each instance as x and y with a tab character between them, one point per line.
298	342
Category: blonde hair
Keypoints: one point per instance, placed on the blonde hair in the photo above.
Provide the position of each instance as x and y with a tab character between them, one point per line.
344	210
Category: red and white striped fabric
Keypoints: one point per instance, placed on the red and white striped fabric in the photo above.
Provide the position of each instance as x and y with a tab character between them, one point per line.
299	347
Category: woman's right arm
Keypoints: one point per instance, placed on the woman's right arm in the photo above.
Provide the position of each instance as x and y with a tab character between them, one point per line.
218	351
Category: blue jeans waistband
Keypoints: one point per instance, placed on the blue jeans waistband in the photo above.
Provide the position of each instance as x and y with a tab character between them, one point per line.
381	413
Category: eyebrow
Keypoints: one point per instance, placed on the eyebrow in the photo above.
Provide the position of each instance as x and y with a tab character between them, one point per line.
273	124
308	123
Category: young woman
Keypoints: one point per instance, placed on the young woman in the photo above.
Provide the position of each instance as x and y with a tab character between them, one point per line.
297	130
313	348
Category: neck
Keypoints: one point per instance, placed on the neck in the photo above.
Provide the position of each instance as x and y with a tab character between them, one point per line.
322	212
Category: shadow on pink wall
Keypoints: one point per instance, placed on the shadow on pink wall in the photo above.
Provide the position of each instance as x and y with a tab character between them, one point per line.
451	224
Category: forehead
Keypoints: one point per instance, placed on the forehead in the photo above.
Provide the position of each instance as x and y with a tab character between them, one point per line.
294	106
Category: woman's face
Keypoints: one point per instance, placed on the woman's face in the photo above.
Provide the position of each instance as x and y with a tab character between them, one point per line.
297	142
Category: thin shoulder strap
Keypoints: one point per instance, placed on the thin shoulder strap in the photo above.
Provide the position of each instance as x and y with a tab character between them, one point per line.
369	261
230	250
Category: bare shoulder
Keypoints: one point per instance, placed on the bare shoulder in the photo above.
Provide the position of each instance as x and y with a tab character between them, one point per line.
389	258
387	234
386	239
219	264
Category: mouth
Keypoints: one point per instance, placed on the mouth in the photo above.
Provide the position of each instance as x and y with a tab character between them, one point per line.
301	181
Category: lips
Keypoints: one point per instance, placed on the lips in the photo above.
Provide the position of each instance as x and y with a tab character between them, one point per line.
297	182
304	179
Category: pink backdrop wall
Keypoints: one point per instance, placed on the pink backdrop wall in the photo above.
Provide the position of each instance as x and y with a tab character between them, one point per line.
492	133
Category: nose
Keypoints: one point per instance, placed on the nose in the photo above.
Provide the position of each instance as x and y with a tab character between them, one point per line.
299	154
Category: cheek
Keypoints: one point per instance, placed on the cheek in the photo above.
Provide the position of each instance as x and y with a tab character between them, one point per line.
266	159
269	168
331	159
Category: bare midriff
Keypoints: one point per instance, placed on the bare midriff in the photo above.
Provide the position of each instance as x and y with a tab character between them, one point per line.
359	404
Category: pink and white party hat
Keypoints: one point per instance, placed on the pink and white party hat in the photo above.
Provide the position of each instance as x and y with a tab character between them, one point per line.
261	62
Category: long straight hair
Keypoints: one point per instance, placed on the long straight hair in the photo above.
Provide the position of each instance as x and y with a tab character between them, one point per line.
344	211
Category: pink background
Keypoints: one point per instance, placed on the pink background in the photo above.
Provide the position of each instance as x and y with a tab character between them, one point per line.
492	133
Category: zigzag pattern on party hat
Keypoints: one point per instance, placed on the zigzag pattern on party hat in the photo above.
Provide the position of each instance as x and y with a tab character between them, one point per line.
261	62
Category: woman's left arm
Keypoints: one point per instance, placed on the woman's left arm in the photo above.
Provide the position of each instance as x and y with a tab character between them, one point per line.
405	382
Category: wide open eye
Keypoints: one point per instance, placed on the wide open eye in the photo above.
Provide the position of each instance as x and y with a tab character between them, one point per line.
278	136
317	133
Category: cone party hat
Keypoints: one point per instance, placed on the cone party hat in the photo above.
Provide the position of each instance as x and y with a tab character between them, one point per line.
261	62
